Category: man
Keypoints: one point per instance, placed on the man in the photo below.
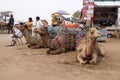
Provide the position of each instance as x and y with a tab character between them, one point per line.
38	23
10	24
16	34
29	25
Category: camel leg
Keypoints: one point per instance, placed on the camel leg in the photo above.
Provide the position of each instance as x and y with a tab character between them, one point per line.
94	59
58	51
101	50
79	58
33	46
21	41
81	53
17	40
40	45
37	46
48	51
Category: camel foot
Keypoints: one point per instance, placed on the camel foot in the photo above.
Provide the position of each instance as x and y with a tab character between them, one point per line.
93	62
34	46
55	52
28	46
48	51
82	62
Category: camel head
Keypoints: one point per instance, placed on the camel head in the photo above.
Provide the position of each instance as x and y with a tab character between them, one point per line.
43	29
44	22
92	35
21	26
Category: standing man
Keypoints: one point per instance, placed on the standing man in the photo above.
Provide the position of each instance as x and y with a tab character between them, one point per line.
38	27
38	23
10	24
30	25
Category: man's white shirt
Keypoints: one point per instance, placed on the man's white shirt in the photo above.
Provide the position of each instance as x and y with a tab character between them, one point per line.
39	24
18	33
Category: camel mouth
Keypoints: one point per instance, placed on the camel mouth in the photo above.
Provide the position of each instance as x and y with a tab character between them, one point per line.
94	37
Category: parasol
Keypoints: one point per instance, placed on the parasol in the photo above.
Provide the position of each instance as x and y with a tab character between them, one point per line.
63	12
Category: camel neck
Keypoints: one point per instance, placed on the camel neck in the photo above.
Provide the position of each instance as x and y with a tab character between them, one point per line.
26	34
91	47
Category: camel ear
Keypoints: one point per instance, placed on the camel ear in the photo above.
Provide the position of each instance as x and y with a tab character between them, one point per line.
25	26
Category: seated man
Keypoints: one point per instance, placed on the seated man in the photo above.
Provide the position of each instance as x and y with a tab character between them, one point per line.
16	34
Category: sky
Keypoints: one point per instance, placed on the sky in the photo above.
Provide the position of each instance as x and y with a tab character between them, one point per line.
22	9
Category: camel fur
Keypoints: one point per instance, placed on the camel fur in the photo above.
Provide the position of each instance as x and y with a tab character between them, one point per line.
44	34
86	50
32	41
56	46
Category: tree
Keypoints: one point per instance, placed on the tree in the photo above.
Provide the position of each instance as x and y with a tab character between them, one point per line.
76	14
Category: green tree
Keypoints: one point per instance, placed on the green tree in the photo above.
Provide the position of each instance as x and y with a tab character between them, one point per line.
76	14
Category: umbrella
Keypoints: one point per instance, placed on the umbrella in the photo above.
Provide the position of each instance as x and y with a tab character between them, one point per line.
63	12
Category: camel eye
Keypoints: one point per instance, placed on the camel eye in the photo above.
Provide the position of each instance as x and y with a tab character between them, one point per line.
92	32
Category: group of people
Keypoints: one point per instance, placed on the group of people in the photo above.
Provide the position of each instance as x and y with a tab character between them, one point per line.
16	33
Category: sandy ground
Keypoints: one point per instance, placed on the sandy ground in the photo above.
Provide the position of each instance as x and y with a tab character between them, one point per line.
21	63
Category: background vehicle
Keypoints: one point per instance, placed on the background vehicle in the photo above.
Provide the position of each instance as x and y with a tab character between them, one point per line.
56	19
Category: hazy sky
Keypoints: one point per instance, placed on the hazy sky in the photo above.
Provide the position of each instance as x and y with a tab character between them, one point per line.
23	9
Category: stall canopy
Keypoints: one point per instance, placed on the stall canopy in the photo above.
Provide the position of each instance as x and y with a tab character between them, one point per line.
4	14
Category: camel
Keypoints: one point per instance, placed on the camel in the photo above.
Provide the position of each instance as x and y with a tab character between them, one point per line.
54	45
3	27
2	23
32	41
44	22
44	42
44	34
86	49
63	41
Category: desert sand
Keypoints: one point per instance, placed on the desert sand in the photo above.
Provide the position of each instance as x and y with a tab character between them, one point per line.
21	63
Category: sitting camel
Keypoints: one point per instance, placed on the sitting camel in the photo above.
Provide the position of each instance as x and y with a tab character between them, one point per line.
44	34
64	41
86	49
32	41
